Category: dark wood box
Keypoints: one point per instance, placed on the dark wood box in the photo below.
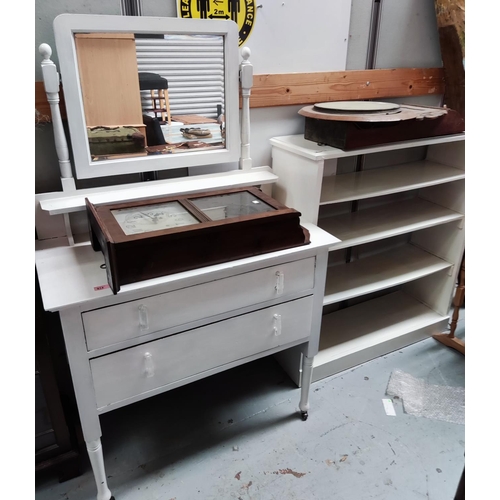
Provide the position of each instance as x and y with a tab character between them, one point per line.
347	135
137	257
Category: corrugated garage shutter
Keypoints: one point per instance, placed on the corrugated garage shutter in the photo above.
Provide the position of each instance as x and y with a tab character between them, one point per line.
193	66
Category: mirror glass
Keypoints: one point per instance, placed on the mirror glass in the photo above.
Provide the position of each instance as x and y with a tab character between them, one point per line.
145	94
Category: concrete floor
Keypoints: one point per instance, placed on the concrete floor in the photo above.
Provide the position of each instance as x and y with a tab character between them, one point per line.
238	435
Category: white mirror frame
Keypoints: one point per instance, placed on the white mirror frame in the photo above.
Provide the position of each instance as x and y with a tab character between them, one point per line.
65	27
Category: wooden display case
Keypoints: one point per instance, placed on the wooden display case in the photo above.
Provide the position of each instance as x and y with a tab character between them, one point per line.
147	238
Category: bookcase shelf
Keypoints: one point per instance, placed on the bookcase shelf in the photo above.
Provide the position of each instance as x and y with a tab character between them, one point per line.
379	272
400	224
387	180
386	221
373	328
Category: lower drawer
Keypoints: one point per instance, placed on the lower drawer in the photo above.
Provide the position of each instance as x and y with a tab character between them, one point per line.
135	371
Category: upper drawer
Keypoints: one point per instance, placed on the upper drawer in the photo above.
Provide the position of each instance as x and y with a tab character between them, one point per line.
113	324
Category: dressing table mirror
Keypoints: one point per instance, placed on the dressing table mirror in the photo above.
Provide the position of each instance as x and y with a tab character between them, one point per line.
122	74
161	333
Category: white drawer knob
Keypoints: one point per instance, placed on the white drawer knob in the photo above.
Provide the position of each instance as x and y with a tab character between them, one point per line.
143	318
149	366
277	324
280	282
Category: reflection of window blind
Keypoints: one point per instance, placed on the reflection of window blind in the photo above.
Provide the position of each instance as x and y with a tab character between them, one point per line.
193	66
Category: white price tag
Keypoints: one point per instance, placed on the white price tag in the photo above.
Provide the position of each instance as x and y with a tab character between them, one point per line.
389	407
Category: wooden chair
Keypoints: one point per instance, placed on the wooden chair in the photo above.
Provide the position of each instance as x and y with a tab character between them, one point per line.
458	300
158	87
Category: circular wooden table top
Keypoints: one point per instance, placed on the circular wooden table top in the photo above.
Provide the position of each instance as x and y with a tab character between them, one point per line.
399	113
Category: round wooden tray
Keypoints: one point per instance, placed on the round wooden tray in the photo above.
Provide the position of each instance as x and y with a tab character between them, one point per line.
356	107
405	112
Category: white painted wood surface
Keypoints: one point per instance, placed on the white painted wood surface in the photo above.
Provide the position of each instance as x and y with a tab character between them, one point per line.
60	203
368	323
51	85
362	332
308	149
386	221
94	450
66	25
380	271
71	276
238	311
246	82
131	319
422	201
130	372
387	180
182	327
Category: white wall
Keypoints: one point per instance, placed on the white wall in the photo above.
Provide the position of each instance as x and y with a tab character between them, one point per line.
47	10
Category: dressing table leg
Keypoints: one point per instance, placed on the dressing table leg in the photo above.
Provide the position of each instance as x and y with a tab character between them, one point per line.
76	349
94	449
307	371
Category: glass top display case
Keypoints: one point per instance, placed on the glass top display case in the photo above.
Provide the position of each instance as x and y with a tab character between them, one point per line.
144	239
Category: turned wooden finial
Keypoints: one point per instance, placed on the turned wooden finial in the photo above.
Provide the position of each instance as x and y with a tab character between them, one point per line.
46	52
245	53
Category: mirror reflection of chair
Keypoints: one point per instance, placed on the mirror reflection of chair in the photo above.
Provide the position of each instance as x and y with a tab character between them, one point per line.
158	87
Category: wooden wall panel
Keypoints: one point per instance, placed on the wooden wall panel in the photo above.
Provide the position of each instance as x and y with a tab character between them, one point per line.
309	88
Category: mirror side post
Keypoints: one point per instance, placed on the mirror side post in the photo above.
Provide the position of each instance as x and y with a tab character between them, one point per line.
51	84
246	82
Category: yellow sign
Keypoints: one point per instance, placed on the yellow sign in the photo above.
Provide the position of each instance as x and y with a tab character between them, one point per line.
242	12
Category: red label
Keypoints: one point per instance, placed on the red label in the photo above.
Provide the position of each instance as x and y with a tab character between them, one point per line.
102	287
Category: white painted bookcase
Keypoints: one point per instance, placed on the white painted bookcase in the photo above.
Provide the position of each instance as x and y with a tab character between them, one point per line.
398	211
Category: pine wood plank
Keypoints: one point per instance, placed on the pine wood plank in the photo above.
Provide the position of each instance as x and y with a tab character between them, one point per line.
453	342
308	88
